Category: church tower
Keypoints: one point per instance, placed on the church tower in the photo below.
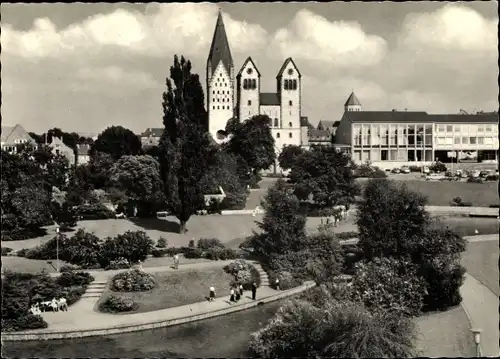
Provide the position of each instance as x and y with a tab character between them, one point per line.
352	103
220	81
248	90
289	92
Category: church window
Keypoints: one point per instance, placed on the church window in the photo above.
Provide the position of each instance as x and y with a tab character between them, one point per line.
290	71
217	107
249	102
249	71
217	92
290	103
278	135
245	84
289	124
213	92
290	135
276	123
294	87
254	84
286	85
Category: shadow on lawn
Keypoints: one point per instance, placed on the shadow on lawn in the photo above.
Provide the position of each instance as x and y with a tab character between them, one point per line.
163	225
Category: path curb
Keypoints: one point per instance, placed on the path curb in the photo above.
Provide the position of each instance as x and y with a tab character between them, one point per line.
27	336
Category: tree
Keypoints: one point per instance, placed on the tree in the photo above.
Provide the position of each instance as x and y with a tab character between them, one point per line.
139	177
253	141
326	174
224	173
117	141
335	329
283	226
186	153
99	166
288	155
58	170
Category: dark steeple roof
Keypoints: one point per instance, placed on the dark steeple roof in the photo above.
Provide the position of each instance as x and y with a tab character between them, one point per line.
285	64
219	51
352	100
249	59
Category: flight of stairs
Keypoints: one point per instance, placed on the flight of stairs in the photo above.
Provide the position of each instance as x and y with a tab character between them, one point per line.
95	289
264	279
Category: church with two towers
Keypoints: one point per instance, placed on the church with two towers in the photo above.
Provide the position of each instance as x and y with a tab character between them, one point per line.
239	95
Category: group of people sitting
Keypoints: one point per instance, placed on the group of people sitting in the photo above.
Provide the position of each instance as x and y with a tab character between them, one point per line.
339	213
55	305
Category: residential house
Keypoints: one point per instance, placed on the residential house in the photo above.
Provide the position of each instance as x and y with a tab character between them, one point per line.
151	137
12	136
58	147
82	154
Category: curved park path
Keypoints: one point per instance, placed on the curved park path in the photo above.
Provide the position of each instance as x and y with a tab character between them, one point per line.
82	319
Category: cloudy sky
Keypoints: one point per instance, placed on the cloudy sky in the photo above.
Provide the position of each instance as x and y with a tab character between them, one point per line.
83	67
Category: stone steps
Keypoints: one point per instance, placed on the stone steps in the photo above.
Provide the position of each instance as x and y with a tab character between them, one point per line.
264	279
95	290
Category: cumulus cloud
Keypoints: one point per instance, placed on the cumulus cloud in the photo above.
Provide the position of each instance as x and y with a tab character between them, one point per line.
164	28
117	76
312	37
453	27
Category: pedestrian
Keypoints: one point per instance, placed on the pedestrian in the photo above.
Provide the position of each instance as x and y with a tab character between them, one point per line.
277	284
212	294
238	295
135	211
254	290
176	261
231	295
241	290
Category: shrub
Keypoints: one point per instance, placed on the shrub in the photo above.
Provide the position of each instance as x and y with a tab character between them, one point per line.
25	322
458	202
343	236
133	246
6	251
474	180
157	253
119	263
68	268
94	211
73	279
133	281
218	253
191	243
415	168
389	284
20	234
22	252
438	167
244	273
73	294
114	304
234	201
162	243
286	280
208	243
172	251
491	178
193	253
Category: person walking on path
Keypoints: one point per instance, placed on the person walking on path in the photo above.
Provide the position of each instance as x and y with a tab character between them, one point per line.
254	290
211	296
231	295
277	283
238	295
241	290
176	261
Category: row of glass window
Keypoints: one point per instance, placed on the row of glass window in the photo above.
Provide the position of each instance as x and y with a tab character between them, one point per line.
290	103
249	84
392	129
392	155
278	135
411	140
465	140
290	85
221	107
481	127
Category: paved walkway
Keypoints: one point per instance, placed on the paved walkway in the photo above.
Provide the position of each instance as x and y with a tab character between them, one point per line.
83	315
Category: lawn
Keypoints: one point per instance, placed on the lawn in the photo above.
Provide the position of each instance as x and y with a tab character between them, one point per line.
175	289
445	334
481	261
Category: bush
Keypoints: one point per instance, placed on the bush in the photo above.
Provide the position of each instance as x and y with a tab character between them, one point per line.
390	285
94	211
287	281
69	268
133	246
191	243
209	243
438	167
343	236
73	279
415	169
73	294
443	285
6	251
22	252
157	253
491	178
20	234
192	253
234	201
244	273
162	243
458	202
172	251
114	304
218	253
133	281
474	180
25	322
119	263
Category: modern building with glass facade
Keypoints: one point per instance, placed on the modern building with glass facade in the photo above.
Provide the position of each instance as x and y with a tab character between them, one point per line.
394	138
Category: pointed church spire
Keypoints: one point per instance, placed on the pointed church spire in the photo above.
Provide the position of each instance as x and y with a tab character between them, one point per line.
219	50
352	100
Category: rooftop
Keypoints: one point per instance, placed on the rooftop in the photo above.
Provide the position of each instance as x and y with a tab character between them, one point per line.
219	50
352	100
417	117
269	99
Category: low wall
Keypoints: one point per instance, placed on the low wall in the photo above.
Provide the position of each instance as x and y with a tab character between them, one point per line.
26	336
242	211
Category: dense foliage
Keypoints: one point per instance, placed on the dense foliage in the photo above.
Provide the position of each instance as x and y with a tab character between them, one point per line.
133	246
134	280
117	141
288	155
115	304
244	273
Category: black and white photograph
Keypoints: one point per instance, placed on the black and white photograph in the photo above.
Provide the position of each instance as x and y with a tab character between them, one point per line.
250	179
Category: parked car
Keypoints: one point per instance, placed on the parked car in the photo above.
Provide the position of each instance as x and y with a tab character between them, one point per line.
426	170
405	169
475	174
484	174
396	170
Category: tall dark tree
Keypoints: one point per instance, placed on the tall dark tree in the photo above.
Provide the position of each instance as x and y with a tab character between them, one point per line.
117	141
186	153
58	170
326	174
253	141
288	155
